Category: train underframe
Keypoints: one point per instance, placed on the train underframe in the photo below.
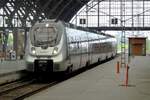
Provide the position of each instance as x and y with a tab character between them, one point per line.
49	66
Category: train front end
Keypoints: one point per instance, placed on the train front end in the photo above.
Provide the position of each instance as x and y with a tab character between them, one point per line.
44	50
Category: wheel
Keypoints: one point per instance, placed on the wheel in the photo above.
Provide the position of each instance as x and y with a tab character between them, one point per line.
69	69
87	63
106	58
99	59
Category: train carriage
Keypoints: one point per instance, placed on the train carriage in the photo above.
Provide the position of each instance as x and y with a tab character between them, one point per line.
57	46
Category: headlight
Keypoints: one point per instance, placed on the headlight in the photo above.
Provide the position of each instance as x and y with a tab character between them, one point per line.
55	50
33	50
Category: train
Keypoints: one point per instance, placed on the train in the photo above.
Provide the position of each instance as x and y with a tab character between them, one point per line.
56	46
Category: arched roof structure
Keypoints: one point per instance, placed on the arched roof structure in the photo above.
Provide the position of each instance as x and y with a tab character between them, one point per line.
26	12
61	9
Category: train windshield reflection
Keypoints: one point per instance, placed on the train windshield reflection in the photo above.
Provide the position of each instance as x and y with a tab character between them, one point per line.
44	36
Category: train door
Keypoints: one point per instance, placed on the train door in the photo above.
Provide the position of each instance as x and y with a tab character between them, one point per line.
93	48
77	57
99	48
84	56
96	49
83	53
80	52
70	47
103	49
74	57
106	48
89	49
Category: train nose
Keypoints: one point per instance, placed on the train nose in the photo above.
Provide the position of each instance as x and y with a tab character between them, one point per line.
43	65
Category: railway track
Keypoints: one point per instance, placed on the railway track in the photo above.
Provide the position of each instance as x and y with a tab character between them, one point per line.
24	88
21	89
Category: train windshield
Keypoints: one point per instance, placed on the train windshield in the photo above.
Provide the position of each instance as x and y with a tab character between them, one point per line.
44	36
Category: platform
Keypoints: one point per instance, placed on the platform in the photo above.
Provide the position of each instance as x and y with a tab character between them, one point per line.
11	70
7	66
102	83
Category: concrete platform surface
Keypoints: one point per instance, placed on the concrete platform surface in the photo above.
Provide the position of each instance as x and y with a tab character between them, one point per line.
102	83
11	66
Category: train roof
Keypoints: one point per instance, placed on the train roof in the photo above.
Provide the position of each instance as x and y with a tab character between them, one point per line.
86	29
78	27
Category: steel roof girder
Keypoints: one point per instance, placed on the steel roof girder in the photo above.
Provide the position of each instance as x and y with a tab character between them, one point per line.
46	5
9	17
72	10
61	11
54	8
3	3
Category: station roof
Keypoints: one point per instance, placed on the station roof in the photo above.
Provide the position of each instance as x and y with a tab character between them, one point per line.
61	9
30	11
